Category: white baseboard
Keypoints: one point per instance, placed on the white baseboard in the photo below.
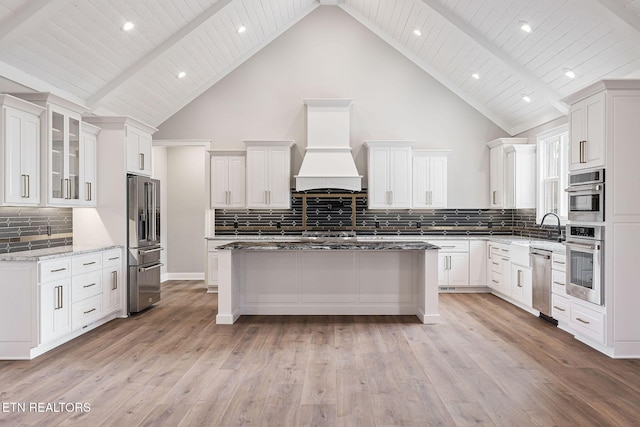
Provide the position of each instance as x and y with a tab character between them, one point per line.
181	276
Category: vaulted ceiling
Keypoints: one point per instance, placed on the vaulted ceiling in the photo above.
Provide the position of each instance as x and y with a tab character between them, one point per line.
78	49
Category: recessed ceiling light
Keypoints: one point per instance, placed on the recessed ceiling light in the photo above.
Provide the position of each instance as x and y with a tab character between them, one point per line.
128	26
475	76
526	98
417	32
569	73
181	74
524	26
242	29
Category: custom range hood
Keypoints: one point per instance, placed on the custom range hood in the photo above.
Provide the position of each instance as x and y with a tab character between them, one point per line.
328	162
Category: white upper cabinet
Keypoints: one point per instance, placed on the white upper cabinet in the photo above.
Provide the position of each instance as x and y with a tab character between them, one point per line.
429	179
20	151
520	176
268	174
498	185
88	164
138	146
587	133
389	174
228	181
61	131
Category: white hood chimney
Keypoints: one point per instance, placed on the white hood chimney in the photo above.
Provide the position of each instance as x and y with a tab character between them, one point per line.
328	162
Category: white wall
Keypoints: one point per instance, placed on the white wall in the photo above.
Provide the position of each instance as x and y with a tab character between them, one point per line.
159	165
185	217
330	55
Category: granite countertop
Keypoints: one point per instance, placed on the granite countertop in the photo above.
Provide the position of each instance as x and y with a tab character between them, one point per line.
507	240
51	253
329	245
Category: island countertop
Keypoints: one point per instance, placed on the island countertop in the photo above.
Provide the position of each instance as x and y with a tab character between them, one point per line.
329	245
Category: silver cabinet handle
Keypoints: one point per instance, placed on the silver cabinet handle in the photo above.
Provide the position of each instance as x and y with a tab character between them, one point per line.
493	194
59	298
114	258
558	308
583	151
519	281
57	270
430	197
87	186
89	263
88	286
489	252
143	269
114	280
447	246
147	251
89	311
586	322
25	186
558	283
141	161
266	197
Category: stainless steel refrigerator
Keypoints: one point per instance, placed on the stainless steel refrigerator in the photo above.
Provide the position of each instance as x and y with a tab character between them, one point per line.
143	237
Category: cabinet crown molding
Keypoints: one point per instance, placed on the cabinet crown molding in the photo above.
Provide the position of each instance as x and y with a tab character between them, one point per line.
41	98
506	141
118	122
609	84
269	142
20	104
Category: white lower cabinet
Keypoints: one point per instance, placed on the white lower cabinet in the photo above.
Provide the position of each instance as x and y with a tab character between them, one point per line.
453	262
61	298
112	281
212	264
521	284
499	268
560	308
55	309
477	263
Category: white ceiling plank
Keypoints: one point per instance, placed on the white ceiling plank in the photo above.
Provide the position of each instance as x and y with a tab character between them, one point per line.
21	77
158	51
552	97
27	19
426	67
177	105
620	13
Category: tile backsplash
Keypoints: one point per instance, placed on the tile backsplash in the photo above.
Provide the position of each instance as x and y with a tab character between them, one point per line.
26	228
326	211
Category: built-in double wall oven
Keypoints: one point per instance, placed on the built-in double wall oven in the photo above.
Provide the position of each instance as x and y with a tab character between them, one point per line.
585	255
585	235
586	196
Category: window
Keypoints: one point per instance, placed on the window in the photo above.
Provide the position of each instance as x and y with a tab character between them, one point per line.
553	170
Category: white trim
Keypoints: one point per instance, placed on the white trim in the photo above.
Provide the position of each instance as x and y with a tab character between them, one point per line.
183	276
206	143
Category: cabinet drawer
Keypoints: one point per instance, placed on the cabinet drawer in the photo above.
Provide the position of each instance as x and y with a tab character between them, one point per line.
495	280
86	285
54	269
452	245
496	265
558	262
587	322
84	263
560	308
558	281
86	311
112	258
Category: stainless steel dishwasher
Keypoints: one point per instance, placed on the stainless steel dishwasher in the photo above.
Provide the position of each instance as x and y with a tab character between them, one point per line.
541	263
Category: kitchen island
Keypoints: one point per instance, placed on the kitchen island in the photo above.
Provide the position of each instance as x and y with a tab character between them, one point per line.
328	278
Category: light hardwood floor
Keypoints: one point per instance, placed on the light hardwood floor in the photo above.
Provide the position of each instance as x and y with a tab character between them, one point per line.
488	363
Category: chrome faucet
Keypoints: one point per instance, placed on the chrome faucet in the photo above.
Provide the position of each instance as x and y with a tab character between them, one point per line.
558	218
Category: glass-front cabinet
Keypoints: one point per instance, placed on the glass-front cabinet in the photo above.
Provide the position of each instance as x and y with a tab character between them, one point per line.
63	148
64	157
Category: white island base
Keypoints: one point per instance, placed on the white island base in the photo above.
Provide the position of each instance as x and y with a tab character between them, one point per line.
328	282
